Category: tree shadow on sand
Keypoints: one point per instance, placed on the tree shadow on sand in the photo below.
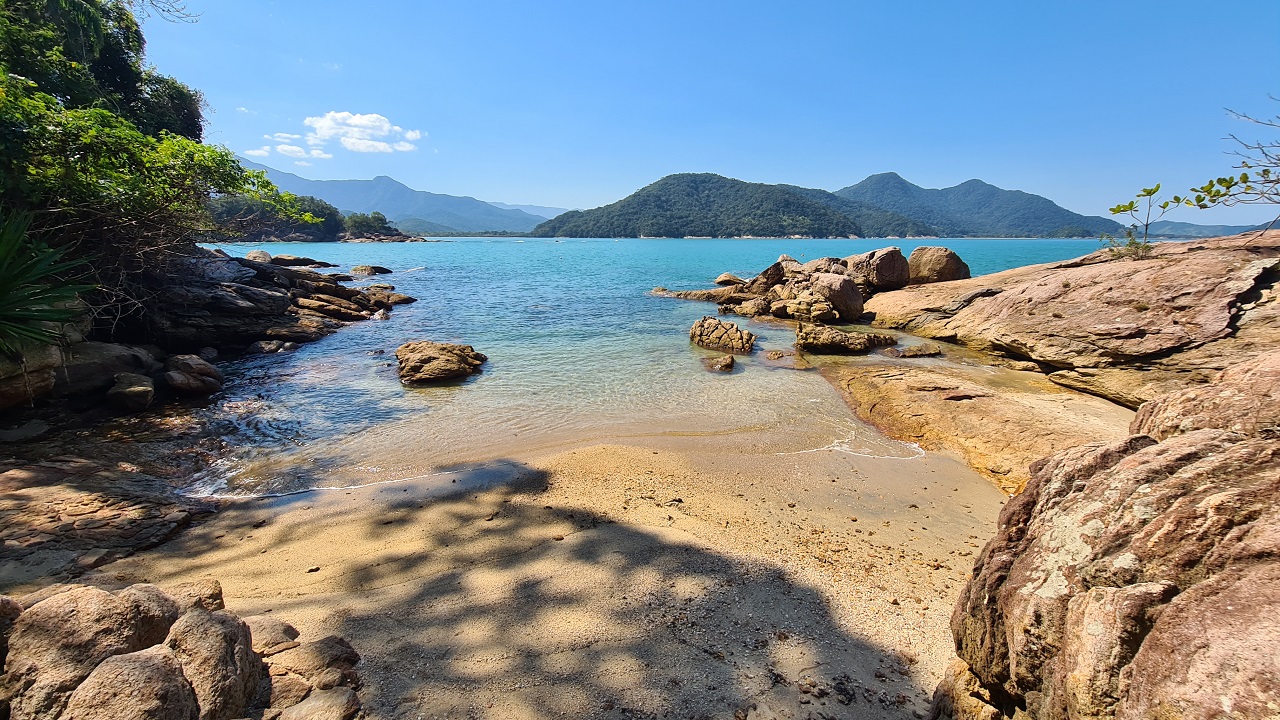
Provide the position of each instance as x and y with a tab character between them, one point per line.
482	601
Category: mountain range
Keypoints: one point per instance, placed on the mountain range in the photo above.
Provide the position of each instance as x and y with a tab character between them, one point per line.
709	205
425	211
884	205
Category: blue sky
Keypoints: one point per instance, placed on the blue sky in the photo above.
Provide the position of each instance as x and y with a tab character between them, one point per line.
577	104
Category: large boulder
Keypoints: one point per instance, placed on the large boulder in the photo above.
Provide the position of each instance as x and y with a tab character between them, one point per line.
711	332
825	265
879	270
424	361
216	652
370	270
144	685
55	644
92	366
10	609
821	340
1136	578
839	292
729	279
935	264
1243	398
261	256
22	382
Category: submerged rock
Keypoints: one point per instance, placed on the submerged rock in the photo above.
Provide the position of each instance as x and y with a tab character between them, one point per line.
716	334
427	362
296	261
723	363
821	340
927	349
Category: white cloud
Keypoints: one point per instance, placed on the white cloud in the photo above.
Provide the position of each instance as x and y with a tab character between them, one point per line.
246	111
369	132
302	163
365	146
362	133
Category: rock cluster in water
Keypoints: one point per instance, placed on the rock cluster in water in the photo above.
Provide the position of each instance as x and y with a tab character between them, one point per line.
824	291
78	652
421	362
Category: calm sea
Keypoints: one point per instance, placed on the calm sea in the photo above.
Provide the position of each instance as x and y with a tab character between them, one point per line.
578	351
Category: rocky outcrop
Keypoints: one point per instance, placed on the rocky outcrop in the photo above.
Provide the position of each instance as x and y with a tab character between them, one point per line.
208	301
824	290
716	334
935	264
137	653
370	270
1137	578
926	349
1128	330
821	340
423	361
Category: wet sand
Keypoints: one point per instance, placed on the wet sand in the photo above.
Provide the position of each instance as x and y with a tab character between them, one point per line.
665	576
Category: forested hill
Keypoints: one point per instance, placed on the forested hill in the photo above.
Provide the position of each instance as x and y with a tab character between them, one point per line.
400	202
707	205
976	208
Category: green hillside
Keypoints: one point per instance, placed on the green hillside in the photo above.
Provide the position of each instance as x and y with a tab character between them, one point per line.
705	205
976	209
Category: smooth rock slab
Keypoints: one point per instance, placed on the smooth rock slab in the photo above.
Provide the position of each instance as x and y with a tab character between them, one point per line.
424	361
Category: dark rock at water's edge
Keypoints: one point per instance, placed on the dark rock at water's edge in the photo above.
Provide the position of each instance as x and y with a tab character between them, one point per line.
83	652
1138	578
716	334
370	270
423	362
207	302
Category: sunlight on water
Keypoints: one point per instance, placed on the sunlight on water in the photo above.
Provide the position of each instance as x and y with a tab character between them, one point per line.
579	351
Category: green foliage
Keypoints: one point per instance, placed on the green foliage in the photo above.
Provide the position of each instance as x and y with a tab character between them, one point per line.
705	205
34	294
249	218
373	224
1145	209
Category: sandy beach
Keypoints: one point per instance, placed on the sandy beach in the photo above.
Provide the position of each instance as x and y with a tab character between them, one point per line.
652	579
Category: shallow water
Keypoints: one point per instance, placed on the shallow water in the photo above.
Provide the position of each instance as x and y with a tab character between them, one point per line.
578	351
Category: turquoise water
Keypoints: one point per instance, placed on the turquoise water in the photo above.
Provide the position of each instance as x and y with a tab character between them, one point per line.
578	350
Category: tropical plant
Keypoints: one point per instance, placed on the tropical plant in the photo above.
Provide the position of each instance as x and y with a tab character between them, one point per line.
35	294
1260	181
1144	209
